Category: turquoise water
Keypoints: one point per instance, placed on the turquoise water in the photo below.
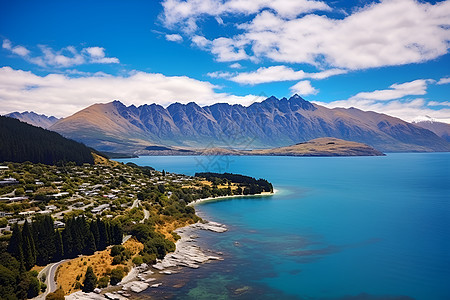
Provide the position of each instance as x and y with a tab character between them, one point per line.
338	228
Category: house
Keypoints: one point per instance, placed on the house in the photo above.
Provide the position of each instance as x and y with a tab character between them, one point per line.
58	224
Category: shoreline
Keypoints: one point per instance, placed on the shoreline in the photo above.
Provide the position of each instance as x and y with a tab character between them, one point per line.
212	199
187	254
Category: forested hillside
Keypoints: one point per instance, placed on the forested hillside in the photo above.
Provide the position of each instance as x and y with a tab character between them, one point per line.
20	142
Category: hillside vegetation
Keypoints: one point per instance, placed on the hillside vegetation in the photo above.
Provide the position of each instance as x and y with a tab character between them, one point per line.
22	142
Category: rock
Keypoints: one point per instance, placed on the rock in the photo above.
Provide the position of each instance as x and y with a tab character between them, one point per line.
97	290
135	286
150	280
112	296
156	285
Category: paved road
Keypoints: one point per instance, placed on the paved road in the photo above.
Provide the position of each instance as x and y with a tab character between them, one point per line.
136	203
50	272
146	216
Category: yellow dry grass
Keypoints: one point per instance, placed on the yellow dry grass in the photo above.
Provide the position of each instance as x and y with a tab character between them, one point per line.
169	226
100	261
100	160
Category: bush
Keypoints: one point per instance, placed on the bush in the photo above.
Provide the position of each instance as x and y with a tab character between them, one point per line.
137	260
103	282
116	275
57	295
3	222
116	250
117	260
43	287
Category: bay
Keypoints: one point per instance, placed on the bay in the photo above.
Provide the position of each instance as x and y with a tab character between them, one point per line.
337	228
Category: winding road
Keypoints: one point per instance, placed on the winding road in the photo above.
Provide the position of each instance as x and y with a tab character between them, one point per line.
50	272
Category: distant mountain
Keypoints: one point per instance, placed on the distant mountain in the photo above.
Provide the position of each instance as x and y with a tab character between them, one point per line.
318	147
322	147
22	142
33	118
439	128
270	123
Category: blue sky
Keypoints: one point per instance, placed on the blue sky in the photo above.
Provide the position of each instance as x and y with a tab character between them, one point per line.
388	56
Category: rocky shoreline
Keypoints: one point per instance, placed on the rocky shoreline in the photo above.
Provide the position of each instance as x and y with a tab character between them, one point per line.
187	254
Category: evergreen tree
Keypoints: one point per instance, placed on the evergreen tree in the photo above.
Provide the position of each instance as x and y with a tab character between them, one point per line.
90	281
59	254
67	239
29	250
44	236
117	234
90	245
94	229
15	246
103	240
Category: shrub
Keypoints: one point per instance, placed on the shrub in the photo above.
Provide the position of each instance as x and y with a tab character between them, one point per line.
116	275
137	260
103	282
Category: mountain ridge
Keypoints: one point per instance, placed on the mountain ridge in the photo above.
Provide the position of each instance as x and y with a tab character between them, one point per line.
271	123
32	118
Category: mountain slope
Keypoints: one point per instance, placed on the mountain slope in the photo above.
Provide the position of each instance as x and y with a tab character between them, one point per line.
33	118
271	123
440	129
322	147
22	142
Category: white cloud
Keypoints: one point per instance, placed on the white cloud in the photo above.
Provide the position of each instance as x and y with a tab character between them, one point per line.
385	33
303	88
220	74
281	73
236	66
64	58
444	80
397	91
186	13
174	37
20	50
436	103
7	44
392	102
60	95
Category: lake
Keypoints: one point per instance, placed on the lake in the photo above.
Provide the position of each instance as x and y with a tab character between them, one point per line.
337	228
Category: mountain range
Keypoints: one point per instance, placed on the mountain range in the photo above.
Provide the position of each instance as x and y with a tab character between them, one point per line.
33	118
440	129
271	123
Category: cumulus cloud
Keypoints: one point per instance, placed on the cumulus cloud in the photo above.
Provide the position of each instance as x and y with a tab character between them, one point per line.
60	95
64	58
396	91
19	50
385	33
436	103
397	101
303	88
188	12
174	37
281	73
444	80
236	66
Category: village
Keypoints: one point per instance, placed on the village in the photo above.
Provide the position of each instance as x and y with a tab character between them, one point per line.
68	190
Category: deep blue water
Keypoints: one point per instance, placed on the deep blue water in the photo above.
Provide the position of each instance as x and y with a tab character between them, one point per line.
338	228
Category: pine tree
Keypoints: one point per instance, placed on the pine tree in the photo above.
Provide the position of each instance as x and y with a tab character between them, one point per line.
29	249
58	246
90	245
67	239
94	229
117	234
103	241
90	281
15	246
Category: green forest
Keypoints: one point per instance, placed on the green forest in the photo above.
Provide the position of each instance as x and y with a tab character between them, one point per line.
20	142
251	186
